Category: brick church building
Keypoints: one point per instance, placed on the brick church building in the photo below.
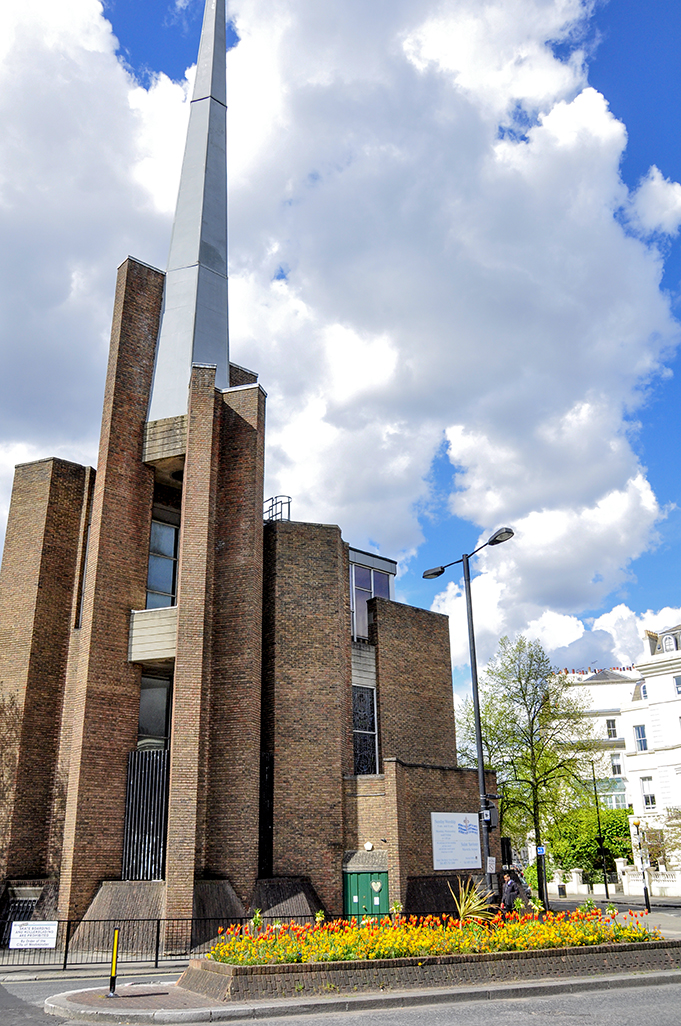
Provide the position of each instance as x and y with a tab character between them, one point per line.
214	711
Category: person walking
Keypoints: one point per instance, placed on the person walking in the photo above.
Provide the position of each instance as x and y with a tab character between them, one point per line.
510	894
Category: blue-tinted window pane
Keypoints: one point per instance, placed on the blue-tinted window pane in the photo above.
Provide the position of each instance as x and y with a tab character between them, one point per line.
157	601
381	584
162	538
161	574
363	578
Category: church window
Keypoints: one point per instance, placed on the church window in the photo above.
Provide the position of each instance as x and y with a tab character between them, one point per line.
364	730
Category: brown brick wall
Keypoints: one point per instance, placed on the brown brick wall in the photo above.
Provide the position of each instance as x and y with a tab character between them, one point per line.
190	722
414	683
365	812
308	717
231	848
413	792
103	689
215	747
241	376
36	592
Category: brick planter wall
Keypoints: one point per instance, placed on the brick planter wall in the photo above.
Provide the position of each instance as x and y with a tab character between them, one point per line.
250	982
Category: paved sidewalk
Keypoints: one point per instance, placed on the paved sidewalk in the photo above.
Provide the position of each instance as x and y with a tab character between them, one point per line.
147	1004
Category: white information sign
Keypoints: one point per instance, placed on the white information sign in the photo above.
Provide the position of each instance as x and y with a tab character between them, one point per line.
456	840
491	864
33	935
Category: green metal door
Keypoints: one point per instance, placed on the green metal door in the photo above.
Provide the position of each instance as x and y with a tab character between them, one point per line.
365	894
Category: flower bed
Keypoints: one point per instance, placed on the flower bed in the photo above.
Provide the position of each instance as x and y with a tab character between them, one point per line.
401	937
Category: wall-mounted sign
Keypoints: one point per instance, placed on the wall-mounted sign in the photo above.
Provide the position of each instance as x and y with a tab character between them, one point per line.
33	934
456	840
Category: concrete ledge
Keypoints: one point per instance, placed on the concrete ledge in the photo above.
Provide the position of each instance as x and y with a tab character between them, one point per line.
223	982
70	1005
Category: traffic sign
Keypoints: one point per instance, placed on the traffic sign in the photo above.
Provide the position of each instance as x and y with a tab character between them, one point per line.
541	850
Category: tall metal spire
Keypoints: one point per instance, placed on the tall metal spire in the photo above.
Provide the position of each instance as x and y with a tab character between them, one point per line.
194	319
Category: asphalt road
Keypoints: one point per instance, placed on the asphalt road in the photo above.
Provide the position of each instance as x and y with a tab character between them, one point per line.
21	1005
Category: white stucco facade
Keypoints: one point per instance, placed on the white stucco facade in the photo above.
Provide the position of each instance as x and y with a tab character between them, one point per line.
651	722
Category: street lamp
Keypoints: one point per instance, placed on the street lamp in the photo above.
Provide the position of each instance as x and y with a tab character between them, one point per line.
502	535
646	896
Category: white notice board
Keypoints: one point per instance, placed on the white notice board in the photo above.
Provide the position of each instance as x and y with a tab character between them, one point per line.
33	935
456	840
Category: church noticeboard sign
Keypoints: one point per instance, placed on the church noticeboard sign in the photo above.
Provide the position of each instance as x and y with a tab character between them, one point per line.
33	935
456	840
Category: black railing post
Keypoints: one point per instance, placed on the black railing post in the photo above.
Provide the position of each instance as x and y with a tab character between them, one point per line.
66	944
158	942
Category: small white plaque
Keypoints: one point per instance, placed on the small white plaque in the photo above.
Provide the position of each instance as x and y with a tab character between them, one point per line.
491	864
34	934
456	840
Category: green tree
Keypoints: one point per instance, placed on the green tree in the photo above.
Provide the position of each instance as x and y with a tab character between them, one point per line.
574	839
536	735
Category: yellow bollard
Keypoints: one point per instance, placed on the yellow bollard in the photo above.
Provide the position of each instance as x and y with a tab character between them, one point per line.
114	959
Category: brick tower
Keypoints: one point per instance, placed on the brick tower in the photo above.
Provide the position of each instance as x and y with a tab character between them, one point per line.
137	663
201	713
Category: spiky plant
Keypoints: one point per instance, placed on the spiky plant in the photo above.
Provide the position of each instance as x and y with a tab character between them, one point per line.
472	905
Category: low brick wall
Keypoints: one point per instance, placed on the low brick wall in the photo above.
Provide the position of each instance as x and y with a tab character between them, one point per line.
250	982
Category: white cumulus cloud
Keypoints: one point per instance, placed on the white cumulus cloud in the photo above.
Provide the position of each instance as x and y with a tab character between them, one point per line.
427	247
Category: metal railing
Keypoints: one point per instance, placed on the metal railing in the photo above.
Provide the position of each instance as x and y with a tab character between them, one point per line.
277	508
147	941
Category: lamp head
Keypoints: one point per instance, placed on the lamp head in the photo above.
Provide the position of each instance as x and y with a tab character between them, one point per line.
437	571
502	535
636	822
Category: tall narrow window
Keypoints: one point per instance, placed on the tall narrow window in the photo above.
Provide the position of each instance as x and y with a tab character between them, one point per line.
162	575
611	726
641	739
365	583
648	793
364	730
677	684
154	721
616	765
644	691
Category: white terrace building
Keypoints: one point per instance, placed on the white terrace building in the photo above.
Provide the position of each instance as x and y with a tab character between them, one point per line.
651	722
605	693
637	718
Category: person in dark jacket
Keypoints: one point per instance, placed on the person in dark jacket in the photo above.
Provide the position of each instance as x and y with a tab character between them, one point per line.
510	894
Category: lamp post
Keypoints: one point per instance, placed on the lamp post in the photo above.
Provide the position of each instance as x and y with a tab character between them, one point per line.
502	535
646	896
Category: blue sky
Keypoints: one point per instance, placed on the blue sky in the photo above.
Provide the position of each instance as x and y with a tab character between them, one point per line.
479	315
